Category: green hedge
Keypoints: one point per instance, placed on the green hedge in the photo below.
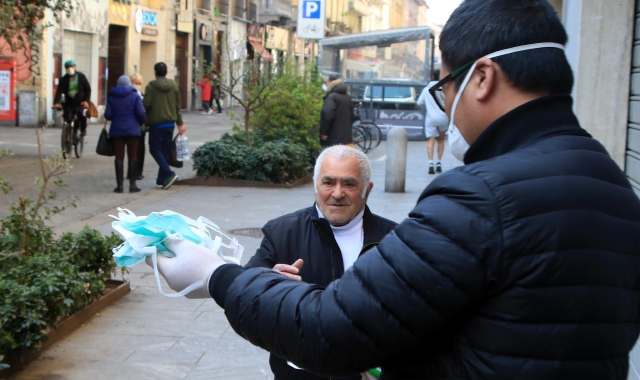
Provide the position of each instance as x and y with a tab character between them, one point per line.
271	161
40	289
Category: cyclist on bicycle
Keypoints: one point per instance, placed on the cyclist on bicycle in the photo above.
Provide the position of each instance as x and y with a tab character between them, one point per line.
77	94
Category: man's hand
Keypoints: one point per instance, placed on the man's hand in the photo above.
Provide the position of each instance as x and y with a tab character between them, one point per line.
193	264
324	137
182	129
56	105
290	271
84	104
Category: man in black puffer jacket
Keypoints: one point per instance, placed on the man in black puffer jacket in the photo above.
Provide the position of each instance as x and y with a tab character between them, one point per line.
336	117
322	243
522	264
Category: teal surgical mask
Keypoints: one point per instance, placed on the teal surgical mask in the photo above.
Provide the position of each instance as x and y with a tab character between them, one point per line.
145	236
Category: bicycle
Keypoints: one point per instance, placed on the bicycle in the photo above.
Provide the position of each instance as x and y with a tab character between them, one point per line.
361	138
369	127
69	134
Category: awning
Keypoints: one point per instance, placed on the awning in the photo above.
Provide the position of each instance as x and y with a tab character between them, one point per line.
257	46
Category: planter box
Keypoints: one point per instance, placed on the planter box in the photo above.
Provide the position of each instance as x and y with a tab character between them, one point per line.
114	290
232	182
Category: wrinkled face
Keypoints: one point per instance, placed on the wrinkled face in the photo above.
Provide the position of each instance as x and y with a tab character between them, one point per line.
340	188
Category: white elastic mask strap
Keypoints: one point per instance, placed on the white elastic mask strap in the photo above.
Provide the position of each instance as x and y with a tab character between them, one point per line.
184	292
494	55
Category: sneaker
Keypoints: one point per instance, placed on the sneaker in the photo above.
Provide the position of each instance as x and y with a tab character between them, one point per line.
209	112
159	186
438	168
169	181
432	169
203	113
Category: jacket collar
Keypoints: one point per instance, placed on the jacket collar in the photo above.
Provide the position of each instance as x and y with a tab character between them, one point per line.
371	233
538	119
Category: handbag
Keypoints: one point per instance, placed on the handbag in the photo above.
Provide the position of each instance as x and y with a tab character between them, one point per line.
173	161
93	110
105	144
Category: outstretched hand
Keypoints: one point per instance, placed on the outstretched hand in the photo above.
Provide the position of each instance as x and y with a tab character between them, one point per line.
193	264
290	271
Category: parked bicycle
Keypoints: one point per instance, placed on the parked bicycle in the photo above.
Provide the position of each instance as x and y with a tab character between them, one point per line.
70	136
366	133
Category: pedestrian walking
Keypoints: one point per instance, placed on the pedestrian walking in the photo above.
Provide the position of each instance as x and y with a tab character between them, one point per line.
205	85
126	112
524	263
136	82
162	102
216	92
436	123
336	117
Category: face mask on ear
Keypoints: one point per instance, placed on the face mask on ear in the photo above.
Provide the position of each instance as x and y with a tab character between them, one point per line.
457	143
71	70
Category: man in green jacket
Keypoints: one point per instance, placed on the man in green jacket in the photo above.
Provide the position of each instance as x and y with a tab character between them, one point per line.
162	102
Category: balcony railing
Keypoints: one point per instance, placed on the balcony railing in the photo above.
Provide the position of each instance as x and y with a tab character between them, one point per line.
253	12
239	9
223	6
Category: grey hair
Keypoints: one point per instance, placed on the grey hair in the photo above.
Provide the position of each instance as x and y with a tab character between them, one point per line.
341	152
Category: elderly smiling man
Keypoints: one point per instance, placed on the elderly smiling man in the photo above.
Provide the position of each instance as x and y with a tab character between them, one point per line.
327	237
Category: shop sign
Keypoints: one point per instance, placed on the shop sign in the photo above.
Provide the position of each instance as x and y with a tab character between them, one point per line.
145	18
150	32
119	14
205	32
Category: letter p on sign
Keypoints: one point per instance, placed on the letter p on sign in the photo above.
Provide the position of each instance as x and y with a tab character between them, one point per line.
311	9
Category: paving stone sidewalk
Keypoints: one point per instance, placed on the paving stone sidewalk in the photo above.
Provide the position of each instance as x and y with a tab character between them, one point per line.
148	336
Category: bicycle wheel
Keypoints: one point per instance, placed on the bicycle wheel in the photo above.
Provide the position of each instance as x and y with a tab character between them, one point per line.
78	143
374	132
360	139
65	140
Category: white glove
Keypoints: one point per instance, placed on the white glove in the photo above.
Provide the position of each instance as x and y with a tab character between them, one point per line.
193	264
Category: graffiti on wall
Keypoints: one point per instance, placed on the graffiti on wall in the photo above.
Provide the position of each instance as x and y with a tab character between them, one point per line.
27	62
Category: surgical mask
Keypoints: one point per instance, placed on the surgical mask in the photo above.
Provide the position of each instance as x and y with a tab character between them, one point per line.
71	70
324	87
145	236
457	143
137	87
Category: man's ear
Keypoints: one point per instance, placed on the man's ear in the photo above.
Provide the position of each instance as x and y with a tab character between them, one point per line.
484	78
366	195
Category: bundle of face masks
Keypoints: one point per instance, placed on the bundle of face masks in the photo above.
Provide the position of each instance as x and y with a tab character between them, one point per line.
145	236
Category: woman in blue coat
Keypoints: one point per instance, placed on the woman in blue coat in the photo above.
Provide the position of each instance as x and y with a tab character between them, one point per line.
126	112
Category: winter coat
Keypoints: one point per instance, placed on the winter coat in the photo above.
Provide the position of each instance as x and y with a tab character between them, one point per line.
162	102
215	88
302	235
125	110
522	264
205	84
336	117
83	94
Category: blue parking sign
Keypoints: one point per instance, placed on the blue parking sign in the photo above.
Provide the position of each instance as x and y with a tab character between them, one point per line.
311	9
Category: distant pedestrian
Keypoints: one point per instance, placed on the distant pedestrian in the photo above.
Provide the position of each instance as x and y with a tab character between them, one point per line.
337	114
215	91
136	81
126	112
205	85
162	102
436	123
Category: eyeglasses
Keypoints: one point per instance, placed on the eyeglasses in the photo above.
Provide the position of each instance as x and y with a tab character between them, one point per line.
436	91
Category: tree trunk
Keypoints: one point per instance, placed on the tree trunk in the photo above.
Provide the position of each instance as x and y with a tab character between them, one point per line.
247	115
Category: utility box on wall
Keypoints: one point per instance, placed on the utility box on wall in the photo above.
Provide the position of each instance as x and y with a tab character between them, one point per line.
8	85
28	109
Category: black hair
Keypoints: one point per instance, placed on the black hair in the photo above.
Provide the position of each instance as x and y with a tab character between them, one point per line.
161	69
480	27
333	77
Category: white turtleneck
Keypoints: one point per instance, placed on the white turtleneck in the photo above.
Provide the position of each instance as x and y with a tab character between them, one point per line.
350	238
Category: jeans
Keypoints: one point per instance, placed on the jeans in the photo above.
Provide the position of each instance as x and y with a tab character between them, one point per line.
160	140
205	105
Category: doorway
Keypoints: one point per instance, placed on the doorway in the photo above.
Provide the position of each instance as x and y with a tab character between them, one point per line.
182	65
117	54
